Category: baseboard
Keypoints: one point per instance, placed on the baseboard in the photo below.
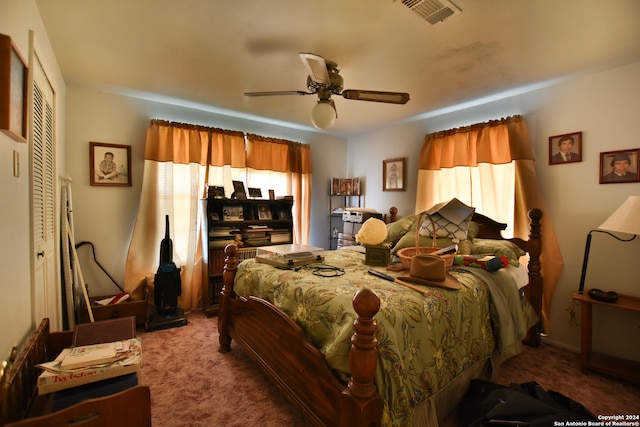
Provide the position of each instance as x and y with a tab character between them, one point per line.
564	346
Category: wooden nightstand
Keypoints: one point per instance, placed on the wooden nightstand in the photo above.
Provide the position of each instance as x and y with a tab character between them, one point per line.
621	368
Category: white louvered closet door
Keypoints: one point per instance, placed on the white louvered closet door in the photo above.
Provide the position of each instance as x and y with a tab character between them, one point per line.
46	294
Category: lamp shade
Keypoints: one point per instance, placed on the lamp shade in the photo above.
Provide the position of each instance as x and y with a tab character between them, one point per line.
323	115
626	219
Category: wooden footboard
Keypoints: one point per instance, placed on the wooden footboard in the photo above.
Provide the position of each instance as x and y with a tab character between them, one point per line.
301	372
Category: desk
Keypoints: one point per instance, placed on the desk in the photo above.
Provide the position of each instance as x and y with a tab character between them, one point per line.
621	368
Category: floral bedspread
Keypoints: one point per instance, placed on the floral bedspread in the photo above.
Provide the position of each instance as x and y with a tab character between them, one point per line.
424	340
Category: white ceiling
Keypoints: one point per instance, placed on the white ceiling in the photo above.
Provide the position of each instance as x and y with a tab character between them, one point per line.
210	52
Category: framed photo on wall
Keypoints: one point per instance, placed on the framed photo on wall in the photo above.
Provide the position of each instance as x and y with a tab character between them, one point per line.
110	164
619	166
565	148
13	90
393	174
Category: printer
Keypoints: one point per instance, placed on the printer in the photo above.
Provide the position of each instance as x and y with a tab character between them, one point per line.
359	215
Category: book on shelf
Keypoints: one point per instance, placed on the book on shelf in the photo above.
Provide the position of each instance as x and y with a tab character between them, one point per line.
261	241
220	243
223	231
57	377
280	236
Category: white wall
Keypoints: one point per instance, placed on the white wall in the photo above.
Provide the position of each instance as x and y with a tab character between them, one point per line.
105	216
17	19
604	106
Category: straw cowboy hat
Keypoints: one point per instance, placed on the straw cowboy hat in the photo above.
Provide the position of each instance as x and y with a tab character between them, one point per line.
430	270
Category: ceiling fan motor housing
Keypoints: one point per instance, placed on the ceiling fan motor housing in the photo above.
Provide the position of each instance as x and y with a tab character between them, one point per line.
336	82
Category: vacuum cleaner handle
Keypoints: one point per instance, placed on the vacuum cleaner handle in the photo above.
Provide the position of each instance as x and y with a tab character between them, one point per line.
166	246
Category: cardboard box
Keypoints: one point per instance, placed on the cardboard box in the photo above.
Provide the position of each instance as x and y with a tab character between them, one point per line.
114	311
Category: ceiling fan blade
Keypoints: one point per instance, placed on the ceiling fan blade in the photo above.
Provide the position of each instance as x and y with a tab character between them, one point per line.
376	96
316	67
284	92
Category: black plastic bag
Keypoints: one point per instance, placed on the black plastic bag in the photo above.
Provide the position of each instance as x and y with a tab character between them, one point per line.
526	404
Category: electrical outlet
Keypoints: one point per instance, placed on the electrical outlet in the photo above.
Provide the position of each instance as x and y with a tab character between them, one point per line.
16	163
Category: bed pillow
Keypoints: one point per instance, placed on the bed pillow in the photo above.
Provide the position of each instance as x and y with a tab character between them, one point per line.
464	246
497	248
445	228
395	230
408	240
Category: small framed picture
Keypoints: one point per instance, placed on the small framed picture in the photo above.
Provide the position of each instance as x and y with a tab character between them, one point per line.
565	148
255	192
346	185
355	187
13	90
110	164
217	192
619	166
284	213
393	174
335	186
264	211
272	195
238	190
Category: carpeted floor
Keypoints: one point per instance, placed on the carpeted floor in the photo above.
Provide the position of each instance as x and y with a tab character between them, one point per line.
194	385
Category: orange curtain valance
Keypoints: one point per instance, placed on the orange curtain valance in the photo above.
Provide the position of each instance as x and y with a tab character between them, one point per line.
185	143
479	143
278	155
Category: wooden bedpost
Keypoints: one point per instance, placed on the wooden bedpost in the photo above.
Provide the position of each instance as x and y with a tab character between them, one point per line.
360	404
533	292
226	295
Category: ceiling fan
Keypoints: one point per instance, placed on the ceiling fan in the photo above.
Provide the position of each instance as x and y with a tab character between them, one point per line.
324	80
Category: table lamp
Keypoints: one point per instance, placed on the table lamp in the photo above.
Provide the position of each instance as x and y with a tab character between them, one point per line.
626	219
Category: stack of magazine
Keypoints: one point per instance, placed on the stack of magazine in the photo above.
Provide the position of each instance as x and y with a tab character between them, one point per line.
80	365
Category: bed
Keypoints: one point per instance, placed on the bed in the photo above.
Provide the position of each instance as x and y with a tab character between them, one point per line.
343	348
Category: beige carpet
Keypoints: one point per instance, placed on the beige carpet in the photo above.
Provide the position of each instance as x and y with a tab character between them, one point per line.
194	385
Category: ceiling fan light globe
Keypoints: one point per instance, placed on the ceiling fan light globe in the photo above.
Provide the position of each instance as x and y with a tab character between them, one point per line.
323	115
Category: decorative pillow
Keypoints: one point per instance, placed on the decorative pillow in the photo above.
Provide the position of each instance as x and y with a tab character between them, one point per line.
396	230
497	248
445	228
409	241
473	230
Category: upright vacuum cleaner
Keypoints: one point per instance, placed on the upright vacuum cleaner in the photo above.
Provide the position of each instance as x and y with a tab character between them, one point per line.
167	288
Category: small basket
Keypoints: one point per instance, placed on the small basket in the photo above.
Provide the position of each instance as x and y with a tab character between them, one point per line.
406	254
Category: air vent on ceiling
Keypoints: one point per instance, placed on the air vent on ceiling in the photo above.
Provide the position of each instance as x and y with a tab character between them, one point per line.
432	11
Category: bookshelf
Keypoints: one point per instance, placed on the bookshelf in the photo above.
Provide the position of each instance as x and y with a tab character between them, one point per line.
251	223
